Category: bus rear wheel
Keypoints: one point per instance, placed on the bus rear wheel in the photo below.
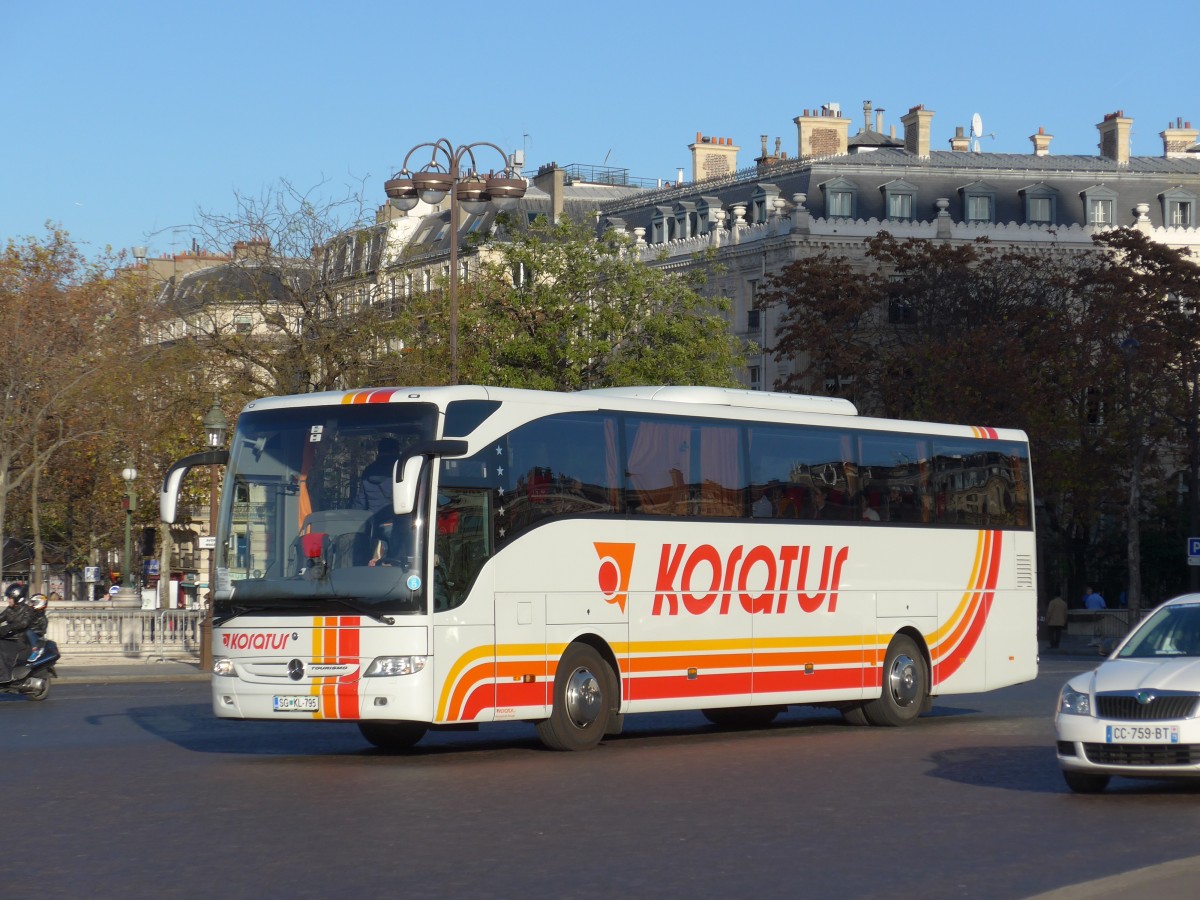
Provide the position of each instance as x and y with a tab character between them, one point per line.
584	696
393	736
905	685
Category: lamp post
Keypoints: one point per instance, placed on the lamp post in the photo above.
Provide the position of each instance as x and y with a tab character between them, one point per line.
128	592
442	175
214	436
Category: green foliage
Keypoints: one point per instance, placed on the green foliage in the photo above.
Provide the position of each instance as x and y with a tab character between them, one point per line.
1095	355
555	308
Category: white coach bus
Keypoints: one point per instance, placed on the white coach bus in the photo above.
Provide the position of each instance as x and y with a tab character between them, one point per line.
416	558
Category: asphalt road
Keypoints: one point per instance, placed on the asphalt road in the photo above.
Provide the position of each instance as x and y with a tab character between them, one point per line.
135	790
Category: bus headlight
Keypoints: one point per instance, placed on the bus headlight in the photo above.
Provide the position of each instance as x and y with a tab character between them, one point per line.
394	665
1074	703
223	666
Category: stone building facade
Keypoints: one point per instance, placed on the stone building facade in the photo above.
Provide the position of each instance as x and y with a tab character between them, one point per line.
841	189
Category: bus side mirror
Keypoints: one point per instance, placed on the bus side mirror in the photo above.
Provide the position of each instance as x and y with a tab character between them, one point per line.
168	498
404	489
407	473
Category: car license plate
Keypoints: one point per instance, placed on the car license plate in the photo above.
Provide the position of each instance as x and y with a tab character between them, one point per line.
1140	734
297	704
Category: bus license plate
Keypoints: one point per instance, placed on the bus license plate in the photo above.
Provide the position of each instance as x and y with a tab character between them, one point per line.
297	704
1140	734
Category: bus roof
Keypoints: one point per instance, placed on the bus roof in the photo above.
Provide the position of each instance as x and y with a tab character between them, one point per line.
716	396
646	397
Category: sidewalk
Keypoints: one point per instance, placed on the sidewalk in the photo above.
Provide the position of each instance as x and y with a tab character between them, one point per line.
101	670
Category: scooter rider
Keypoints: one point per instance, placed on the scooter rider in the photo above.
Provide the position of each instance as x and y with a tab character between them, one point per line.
15	619
36	632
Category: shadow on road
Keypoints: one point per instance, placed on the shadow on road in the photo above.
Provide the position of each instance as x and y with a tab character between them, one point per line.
1031	769
193	727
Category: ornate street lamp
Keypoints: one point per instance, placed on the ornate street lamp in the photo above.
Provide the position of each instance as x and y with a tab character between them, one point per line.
443	175
129	476
215	427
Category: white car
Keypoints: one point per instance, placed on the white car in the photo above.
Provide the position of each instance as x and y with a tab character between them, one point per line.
1136	715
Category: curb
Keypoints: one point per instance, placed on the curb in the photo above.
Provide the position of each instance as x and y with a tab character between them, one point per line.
125	672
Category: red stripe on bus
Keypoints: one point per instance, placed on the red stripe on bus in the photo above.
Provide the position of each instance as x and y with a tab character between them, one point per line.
680	686
793	681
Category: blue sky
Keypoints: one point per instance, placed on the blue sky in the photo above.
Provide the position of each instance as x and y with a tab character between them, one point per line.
123	119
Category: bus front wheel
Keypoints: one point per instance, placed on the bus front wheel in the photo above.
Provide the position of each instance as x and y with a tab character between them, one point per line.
584	695
905	685
393	736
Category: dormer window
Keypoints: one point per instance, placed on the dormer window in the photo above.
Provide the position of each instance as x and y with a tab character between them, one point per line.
899	200
1041	204
1179	208
1100	203
685	219
841	199
979	202
762	203
708	213
662	225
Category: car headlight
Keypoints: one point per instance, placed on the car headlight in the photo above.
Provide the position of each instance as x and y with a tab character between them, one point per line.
394	665
223	666
1074	703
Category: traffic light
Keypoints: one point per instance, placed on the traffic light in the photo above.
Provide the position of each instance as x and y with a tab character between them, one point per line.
146	544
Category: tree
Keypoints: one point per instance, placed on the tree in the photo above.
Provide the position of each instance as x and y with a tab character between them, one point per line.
63	321
269	321
970	333
1158	289
556	308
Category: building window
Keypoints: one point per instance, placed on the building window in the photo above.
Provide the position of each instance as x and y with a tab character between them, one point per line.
756	378
899	200
1041	209
900	206
979	208
1179	208
1100	212
841	199
1041	204
242	325
978	202
841	204
754	320
1100	203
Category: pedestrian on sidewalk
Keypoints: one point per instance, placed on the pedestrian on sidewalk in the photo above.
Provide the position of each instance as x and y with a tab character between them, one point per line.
1056	620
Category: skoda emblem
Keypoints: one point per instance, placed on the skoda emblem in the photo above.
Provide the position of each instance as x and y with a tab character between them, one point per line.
295	670
1145	698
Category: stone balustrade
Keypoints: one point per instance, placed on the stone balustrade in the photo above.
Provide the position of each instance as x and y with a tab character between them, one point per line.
98	631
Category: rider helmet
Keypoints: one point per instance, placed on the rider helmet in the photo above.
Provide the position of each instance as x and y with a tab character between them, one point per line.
38	601
16	592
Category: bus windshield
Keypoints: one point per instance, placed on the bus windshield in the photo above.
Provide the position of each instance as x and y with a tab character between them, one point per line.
306	520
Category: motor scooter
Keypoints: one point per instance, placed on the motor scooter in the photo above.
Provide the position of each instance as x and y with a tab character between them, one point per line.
32	679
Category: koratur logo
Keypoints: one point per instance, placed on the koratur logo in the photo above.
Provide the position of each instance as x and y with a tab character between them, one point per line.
616	562
759	579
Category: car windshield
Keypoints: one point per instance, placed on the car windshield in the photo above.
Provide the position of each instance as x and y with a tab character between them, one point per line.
306	519
1172	631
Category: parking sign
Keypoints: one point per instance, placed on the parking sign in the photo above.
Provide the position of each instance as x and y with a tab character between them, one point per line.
1194	551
